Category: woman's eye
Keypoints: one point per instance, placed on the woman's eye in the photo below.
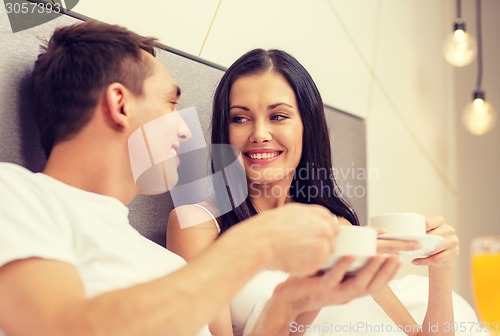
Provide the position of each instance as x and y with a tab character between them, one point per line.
238	120
278	117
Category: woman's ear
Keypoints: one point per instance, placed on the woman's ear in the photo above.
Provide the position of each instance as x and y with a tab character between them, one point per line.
116	99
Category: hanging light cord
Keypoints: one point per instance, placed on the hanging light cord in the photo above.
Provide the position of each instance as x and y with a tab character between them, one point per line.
479	46
459	10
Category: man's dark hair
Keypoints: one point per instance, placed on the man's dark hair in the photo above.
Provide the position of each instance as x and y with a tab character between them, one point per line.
74	69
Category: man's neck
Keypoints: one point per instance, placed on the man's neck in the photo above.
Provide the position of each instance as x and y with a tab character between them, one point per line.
103	169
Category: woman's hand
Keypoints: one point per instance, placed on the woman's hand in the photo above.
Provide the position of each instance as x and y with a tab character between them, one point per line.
394	246
444	253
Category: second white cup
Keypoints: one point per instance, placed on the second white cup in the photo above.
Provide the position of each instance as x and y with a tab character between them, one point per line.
400	224
357	241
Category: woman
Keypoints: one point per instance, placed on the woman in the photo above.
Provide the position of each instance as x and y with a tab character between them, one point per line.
268	106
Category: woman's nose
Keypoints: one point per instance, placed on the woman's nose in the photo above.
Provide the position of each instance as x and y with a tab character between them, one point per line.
260	132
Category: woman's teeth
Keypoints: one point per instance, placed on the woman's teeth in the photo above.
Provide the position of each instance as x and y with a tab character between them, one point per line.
259	156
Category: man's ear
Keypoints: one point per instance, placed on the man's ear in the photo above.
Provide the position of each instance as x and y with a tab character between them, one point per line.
117	96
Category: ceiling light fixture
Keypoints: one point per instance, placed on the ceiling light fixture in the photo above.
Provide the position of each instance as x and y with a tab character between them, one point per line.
479	116
459	48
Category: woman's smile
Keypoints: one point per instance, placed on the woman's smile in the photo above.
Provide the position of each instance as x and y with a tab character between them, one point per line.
262	156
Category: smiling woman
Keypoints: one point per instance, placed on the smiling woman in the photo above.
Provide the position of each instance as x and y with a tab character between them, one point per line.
269	108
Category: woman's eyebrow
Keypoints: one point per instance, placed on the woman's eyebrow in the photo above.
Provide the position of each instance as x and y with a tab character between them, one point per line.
240	107
270	107
273	106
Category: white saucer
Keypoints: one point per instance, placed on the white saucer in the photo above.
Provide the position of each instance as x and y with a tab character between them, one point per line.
427	242
358	263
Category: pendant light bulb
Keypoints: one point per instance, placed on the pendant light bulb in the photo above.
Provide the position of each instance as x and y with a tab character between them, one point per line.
479	116
459	48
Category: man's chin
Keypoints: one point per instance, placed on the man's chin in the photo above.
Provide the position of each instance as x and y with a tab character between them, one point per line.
153	191
158	179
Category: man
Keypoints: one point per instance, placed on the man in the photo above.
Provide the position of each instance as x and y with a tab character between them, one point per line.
70	263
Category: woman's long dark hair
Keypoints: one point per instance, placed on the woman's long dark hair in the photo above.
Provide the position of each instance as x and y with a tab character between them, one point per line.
316	151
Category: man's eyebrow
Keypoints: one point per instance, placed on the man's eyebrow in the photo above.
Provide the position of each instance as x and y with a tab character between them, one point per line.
178	89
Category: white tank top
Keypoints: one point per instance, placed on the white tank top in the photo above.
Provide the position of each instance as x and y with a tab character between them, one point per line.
259	288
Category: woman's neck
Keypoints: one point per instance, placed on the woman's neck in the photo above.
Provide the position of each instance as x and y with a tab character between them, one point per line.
265	196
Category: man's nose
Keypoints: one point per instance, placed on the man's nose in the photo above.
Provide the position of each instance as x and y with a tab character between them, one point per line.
184	132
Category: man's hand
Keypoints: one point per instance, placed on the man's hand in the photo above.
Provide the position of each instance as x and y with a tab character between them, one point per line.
299	237
333	287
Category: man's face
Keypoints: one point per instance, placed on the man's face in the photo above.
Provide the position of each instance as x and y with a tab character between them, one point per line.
158	103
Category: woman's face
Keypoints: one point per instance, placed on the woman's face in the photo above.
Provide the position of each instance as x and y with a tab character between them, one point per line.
265	124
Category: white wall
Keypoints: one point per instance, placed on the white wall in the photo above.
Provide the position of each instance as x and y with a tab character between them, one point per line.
380	60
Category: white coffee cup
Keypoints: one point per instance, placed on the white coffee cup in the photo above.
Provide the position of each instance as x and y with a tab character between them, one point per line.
357	241
402	224
406	226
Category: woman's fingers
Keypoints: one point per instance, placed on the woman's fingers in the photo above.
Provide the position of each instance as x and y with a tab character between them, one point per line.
395	246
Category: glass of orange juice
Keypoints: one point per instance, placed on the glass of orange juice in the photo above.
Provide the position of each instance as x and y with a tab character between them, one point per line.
485	263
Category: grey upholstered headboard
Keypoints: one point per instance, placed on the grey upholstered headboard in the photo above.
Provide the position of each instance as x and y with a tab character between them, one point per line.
198	79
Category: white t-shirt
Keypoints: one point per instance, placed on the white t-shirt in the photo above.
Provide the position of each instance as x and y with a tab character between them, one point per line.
43	217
